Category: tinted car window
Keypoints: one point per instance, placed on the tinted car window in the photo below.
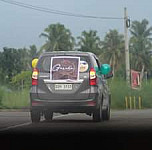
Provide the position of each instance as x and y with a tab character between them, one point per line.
45	62
95	63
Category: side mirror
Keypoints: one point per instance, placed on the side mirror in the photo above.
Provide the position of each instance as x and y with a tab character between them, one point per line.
105	69
107	76
34	62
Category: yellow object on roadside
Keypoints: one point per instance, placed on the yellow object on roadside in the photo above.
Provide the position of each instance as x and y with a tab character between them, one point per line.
140	102
126	102
130	102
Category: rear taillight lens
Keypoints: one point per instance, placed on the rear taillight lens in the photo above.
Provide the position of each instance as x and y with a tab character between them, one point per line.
35	77
93	77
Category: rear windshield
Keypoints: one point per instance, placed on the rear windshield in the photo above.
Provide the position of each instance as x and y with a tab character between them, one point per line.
44	64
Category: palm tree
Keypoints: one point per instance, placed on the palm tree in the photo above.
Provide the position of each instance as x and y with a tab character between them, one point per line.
113	49
57	38
140	44
89	42
33	52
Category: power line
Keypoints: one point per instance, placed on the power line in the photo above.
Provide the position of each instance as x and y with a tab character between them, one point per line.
57	12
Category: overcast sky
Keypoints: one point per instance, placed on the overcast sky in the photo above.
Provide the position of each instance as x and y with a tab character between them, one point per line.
21	27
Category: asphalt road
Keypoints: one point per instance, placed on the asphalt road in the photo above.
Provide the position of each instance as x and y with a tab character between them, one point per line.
129	129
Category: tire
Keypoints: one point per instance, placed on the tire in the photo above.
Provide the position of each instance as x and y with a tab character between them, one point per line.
106	114
48	115
35	116
97	114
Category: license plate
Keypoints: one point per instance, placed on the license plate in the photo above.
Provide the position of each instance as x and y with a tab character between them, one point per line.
63	86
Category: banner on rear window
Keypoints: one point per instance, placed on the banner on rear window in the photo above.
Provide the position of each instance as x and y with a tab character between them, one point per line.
64	68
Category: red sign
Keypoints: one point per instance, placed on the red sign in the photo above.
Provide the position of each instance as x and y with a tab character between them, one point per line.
135	79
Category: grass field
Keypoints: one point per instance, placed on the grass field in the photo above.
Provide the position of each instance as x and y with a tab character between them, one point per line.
118	87
120	90
15	99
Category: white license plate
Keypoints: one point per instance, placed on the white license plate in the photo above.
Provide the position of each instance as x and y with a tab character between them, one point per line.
63	86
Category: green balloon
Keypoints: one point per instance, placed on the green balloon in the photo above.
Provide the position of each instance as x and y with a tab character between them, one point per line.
105	69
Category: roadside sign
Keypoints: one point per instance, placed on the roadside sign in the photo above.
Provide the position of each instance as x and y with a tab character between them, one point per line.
135	79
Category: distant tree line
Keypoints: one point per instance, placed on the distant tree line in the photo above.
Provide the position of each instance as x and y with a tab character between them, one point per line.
15	64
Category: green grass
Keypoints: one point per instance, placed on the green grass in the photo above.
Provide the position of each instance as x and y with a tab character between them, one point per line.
2	91
118	87
146	94
16	99
119	90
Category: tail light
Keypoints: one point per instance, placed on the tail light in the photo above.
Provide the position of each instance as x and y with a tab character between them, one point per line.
36	103
93	77
91	103
35	77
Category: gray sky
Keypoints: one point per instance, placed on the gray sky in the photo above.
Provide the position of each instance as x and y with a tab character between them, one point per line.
21	27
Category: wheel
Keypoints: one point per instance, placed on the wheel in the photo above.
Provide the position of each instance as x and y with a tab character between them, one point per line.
97	114
48	115
35	116
106	114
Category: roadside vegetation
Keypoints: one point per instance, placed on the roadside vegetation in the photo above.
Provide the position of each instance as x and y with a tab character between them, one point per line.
120	90
15	99
15	64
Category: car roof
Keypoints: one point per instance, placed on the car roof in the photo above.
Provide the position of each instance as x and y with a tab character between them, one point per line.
68	53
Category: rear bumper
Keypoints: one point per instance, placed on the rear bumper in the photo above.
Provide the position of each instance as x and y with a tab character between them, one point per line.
84	106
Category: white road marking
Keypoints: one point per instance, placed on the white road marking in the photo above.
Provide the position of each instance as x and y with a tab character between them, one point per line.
15	126
28	123
64	115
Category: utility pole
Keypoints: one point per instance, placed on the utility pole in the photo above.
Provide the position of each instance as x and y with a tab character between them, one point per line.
126	25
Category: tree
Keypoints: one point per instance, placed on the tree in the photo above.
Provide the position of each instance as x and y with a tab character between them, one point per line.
32	53
113	49
10	63
13	61
2	75
23	58
22	80
89	42
140	44
58	38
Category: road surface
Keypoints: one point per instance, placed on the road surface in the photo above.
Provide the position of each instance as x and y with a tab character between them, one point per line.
127	129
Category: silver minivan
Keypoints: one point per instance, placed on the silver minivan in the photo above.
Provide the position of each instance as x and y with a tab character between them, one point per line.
70	82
